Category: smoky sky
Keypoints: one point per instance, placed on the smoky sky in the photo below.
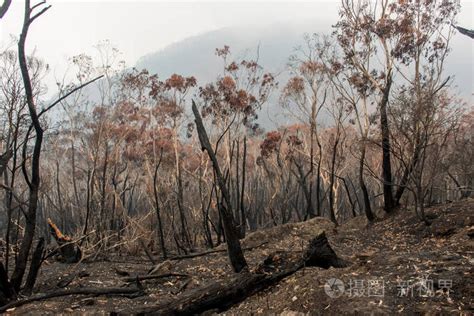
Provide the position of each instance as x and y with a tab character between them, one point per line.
138	28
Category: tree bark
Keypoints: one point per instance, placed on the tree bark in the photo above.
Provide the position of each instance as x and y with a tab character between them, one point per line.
389	202
6	289
365	193
243	219
4	8
158	211
30	216
36	261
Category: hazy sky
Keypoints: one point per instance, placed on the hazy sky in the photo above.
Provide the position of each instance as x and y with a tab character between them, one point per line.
140	27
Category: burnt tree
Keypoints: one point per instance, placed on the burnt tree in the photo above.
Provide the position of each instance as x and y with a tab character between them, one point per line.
236	255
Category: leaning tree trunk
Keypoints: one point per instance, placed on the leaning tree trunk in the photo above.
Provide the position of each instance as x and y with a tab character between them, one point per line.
236	255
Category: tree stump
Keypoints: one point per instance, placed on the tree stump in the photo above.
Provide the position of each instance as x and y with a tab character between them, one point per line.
69	251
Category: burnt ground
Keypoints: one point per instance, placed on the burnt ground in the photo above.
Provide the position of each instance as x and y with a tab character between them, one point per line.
398	265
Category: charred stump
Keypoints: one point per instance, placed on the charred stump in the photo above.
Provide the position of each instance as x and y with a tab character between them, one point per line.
69	250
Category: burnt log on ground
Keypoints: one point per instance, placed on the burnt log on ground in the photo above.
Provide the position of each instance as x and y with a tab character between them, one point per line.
154	277
129	292
221	295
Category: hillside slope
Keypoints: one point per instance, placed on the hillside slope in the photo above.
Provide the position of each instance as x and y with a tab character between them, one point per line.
427	270
399	252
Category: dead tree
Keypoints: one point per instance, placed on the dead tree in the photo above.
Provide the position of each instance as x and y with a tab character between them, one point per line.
32	178
33	183
236	255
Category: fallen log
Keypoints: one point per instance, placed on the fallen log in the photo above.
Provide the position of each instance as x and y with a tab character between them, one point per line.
130	292
223	294
154	277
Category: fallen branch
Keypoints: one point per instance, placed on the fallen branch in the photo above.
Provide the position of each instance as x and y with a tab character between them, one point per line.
127	292
204	253
465	31
152	277
223	294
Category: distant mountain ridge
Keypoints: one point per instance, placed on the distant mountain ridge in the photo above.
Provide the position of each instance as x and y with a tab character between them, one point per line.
271	44
195	56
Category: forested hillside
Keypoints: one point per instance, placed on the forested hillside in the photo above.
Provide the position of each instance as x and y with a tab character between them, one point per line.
168	194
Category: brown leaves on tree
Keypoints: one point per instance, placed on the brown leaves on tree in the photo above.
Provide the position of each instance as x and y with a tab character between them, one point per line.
240	91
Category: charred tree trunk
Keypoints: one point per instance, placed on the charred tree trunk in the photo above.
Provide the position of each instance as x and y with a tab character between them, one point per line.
236	255
60	200
4	158
406	175
389	202
243	219
302	179
205	208
365	193
7	291
89	196
36	261
4	7
33	184
349	198
157	207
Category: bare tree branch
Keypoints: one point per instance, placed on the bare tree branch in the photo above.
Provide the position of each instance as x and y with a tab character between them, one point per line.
464	31
4	7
